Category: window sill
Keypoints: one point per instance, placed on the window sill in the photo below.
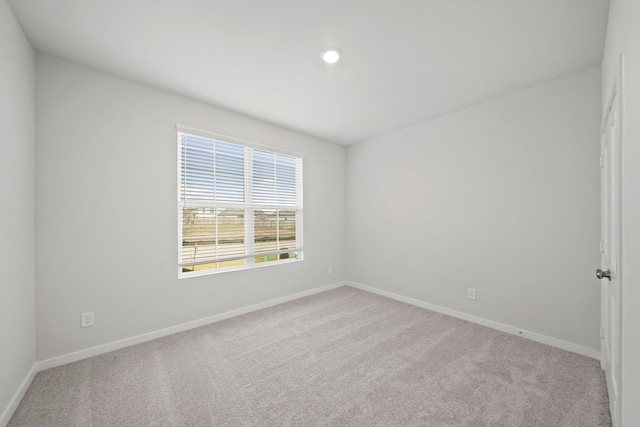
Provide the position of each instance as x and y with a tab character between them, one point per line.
188	275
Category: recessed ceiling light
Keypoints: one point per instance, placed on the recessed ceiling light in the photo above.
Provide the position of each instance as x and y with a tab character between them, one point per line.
331	56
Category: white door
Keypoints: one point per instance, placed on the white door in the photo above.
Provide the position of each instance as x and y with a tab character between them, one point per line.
609	271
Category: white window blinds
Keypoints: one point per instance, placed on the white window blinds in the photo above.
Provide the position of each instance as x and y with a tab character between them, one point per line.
274	179
212	171
239	206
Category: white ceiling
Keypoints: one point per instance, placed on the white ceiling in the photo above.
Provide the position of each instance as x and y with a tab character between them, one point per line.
404	61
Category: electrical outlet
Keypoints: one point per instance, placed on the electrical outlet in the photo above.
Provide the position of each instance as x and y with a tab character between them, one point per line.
471	293
330	270
86	319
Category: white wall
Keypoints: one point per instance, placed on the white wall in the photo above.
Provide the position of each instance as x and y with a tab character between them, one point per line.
106	219
17	298
502	197
623	37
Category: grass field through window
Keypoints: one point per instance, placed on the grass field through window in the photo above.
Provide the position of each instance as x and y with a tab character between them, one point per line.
217	233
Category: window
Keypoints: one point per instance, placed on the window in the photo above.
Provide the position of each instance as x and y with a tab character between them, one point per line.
239	204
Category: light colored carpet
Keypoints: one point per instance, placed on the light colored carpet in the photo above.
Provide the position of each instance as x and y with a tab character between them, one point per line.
340	358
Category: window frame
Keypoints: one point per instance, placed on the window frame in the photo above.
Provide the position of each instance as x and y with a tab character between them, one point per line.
249	218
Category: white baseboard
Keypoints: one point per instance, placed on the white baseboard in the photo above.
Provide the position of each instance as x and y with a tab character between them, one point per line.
116	345
544	339
17	397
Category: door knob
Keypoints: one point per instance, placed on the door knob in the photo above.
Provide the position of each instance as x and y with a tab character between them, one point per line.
601	274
